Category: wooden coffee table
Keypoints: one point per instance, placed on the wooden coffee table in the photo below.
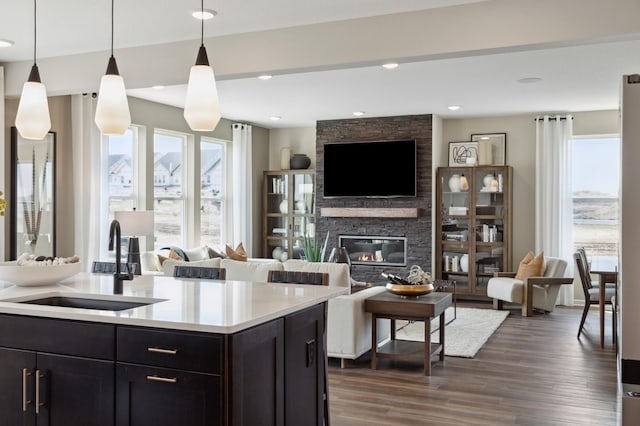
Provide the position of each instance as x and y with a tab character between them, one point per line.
423	308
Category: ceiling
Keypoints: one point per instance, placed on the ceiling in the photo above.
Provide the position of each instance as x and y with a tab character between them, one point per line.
581	76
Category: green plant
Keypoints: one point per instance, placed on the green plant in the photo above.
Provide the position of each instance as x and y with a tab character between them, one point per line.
313	252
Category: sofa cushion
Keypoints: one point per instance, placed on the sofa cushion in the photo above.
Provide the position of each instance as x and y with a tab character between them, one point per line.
169	264
338	272
530	266
249	271
196	253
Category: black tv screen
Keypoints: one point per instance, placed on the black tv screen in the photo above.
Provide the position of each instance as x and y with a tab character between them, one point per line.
370	169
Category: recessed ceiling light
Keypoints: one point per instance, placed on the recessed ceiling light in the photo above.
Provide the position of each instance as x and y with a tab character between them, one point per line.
453	107
5	43
205	14
265	77
530	80
157	87
275	118
358	113
390	65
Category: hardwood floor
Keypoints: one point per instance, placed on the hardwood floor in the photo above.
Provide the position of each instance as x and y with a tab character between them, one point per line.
532	371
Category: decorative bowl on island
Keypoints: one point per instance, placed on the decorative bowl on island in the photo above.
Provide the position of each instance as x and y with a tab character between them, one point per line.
37	274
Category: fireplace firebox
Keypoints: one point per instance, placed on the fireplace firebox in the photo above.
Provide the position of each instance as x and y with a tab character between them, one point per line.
374	250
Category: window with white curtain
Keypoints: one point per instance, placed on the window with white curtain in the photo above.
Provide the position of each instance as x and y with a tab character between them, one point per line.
595	183
169	177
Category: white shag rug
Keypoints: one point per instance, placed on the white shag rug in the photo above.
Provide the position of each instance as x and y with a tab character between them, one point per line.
464	336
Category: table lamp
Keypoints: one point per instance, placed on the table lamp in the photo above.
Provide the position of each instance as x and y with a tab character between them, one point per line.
134	224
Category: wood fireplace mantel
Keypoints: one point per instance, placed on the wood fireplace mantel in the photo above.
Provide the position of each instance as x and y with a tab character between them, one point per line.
369	212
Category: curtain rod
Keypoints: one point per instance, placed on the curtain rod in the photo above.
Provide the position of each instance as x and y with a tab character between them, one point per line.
552	118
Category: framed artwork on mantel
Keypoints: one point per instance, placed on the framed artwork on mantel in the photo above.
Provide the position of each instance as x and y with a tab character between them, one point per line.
33	195
492	148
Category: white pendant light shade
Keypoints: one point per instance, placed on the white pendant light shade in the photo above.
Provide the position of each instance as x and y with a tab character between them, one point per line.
112	110
202	108
32	119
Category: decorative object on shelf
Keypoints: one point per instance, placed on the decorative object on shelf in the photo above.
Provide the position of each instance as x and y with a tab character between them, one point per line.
285	158
459	152
488	180
464	263
464	183
340	255
454	183
284	206
313	252
301	207
491	148
299	161
276	253
202	106
112	109
32	119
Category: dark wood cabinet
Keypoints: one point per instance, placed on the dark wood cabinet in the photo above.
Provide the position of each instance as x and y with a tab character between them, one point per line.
46	377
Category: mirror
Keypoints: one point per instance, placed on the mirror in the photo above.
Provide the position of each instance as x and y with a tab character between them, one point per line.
491	148
32	203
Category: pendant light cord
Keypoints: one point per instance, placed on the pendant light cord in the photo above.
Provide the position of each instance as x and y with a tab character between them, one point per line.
112	2
202	22
34	30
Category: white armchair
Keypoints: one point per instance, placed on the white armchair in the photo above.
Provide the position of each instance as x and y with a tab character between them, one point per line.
532	292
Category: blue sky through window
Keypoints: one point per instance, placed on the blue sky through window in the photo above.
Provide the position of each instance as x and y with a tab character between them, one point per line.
596	165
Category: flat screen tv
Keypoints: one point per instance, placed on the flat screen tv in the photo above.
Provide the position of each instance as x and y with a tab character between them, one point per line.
370	169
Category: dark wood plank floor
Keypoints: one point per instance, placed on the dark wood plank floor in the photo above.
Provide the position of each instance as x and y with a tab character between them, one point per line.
532	371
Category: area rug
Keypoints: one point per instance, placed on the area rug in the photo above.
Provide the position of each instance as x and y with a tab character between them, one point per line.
464	336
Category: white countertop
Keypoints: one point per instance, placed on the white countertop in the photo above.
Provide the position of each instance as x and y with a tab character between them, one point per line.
183	304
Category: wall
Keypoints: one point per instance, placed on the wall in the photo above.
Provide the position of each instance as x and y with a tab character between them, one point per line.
300	140
417	230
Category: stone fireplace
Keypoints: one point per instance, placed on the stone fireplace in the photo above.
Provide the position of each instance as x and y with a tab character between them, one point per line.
404	220
375	250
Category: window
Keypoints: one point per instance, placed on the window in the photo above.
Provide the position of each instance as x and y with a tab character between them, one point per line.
595	191
168	189
212	191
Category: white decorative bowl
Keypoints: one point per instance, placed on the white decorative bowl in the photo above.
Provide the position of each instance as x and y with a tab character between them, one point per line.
12	273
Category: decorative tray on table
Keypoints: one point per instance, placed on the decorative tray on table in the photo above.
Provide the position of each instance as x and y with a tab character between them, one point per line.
416	284
411	290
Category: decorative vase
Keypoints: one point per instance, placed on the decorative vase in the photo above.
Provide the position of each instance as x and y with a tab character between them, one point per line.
488	180
284	206
464	183
454	183
276	253
300	161
464	263
285	157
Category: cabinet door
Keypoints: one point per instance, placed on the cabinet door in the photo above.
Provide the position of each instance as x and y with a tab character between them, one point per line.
153	396
276	215
256	365
75	391
14	410
304	360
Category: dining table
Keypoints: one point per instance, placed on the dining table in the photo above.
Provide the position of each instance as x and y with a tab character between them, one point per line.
606	267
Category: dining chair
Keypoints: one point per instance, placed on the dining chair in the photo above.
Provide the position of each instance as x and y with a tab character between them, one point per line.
99	267
587	265
203	272
313	278
592	294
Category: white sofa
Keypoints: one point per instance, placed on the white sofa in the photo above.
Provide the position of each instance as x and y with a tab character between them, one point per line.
348	325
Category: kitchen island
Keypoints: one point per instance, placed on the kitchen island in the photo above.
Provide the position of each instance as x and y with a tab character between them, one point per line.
189	352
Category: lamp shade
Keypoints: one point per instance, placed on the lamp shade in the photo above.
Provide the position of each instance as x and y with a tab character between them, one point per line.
112	111
32	119
135	223
202	108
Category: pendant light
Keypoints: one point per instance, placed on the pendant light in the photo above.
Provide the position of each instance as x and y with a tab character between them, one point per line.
32	119
112	109
202	108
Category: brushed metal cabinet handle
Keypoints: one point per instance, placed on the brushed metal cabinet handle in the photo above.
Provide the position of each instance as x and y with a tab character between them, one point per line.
25	402
162	379
38	403
163	351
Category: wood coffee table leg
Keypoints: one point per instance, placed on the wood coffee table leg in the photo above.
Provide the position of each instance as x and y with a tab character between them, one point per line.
427	346
442	325
374	340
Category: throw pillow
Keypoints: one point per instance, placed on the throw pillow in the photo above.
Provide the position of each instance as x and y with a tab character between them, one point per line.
530	266
238	254
172	255
214	253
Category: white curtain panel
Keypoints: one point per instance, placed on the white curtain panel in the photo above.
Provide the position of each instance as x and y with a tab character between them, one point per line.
85	139
554	225
242	188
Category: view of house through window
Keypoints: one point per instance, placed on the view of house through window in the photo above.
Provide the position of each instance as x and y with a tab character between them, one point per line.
595	191
212	194
168	191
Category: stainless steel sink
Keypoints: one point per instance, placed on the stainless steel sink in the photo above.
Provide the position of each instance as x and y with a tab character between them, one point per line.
85	303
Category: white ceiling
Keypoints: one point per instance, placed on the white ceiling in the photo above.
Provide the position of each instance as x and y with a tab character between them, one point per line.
581	77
